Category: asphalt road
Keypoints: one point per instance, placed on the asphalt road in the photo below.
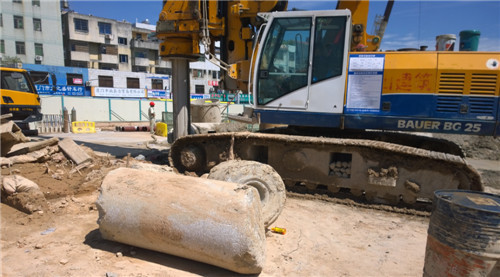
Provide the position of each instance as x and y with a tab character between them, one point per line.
118	144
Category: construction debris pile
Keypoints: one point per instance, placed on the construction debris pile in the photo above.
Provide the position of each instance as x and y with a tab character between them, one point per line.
36	171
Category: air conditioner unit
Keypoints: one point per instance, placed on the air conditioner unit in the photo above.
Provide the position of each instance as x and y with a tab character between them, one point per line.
109	36
38	58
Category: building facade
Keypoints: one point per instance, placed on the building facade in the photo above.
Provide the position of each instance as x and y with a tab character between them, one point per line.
31	31
40	33
106	44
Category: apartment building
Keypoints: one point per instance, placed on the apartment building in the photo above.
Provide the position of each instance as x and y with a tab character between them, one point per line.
31	30
95	42
144	47
102	43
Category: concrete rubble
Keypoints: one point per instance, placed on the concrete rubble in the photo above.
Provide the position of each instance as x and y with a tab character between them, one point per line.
20	192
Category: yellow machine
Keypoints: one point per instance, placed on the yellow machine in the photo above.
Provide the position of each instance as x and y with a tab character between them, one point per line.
183	25
19	95
311	71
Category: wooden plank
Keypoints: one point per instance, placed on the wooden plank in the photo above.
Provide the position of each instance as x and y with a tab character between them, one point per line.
10	135
73	151
5	117
27	147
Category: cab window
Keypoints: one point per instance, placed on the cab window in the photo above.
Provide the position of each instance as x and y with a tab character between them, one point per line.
283	64
15	81
328	52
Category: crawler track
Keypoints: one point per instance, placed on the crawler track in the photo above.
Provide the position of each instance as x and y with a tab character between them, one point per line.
378	171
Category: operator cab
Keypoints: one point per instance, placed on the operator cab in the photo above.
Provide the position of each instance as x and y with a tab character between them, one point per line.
301	61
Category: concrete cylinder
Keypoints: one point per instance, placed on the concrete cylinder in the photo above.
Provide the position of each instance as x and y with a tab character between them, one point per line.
205	111
66	121
73	115
209	221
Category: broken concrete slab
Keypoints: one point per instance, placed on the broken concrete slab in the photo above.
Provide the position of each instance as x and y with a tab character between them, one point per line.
73	151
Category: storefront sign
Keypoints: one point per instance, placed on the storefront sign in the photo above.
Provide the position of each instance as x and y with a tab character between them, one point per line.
118	92
61	90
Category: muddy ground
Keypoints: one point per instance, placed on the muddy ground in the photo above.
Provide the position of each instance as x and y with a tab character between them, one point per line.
323	238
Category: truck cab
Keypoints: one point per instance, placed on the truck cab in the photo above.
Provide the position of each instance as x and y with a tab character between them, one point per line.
19	95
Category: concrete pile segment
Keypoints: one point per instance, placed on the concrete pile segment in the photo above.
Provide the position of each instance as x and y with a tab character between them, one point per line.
209	221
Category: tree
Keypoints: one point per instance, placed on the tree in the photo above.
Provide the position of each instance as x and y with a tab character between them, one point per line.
10	61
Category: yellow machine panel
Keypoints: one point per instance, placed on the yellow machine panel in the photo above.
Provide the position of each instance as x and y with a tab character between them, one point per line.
441	72
410	72
472	73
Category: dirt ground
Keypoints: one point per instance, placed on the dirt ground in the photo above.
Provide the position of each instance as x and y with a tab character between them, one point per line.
323	238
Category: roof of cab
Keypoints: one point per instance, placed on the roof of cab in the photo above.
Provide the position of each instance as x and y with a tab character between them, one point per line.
12	69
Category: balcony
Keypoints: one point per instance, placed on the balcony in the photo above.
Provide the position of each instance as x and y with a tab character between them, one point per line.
141	62
80	56
107	58
153	45
162	63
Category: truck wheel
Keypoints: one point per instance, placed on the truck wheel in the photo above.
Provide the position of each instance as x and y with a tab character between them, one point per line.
260	176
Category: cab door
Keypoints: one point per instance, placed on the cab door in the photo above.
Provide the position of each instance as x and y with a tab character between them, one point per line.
329	58
301	64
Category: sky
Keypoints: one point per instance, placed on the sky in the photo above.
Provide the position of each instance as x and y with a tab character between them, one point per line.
412	23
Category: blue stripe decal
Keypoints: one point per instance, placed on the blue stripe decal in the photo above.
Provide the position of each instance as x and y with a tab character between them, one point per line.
300	118
477	115
438	106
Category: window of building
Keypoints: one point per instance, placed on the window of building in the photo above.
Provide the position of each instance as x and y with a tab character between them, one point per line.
79	64
122	41
35	3
104	28
214	74
1	20
106	81
124	58
197	73
38	49
199	89
2	46
18	22
138	36
80	47
20	48
37	24
157	83
163	70
140	54
17	1
74	79
40	77
81	25
133	83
